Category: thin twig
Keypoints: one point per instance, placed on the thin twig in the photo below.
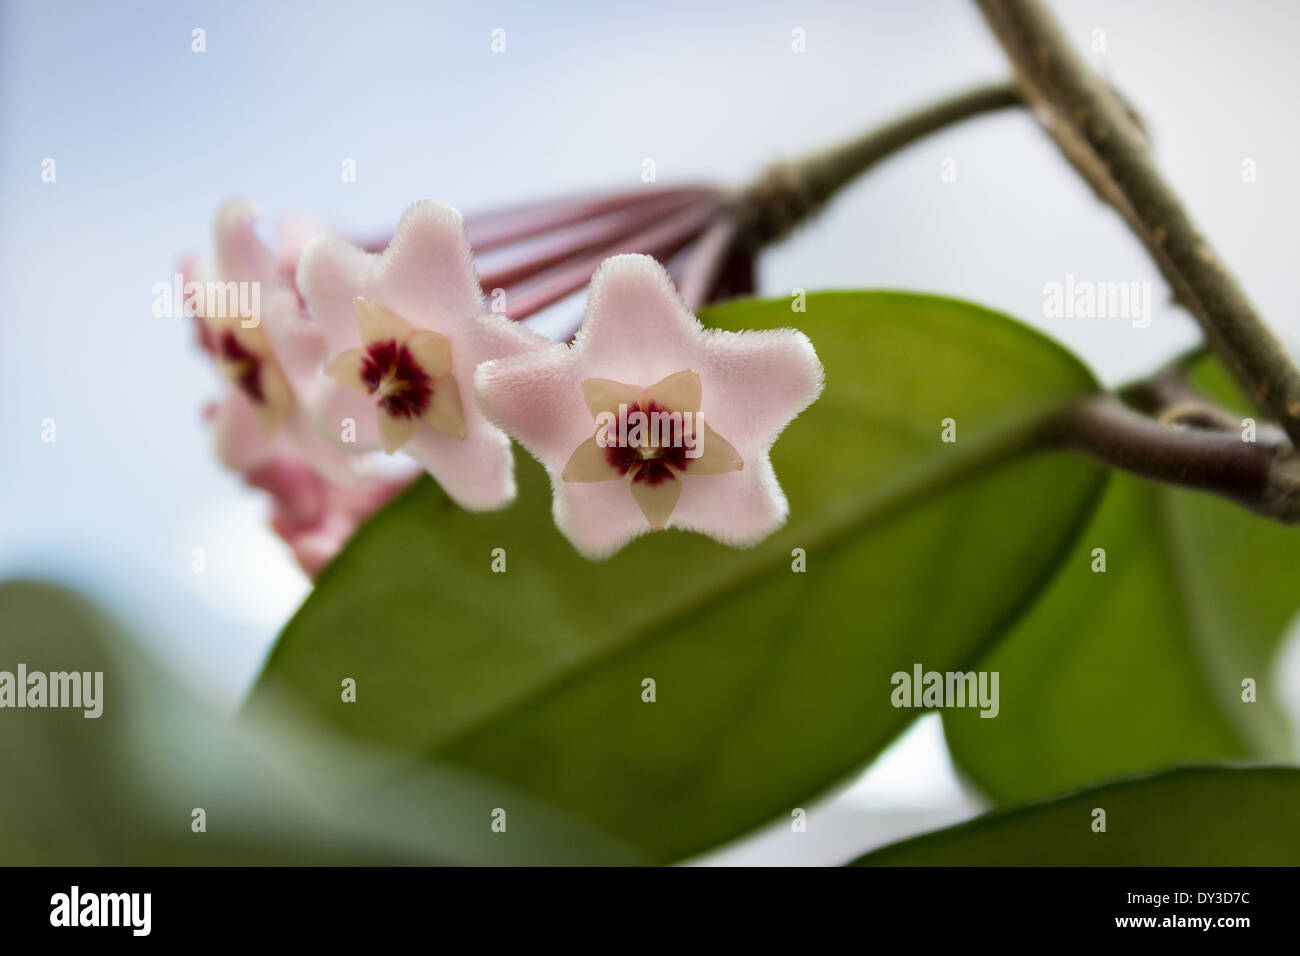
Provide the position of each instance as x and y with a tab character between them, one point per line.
1091	127
790	192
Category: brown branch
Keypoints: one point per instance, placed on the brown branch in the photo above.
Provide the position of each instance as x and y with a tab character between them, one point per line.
1169	396
1090	125
1263	475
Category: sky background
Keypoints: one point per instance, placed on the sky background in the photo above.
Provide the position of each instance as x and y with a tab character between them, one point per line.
150	137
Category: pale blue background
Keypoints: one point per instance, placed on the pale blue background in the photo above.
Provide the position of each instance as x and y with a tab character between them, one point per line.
149	138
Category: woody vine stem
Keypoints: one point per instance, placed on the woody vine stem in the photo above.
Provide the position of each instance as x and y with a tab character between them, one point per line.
1165	431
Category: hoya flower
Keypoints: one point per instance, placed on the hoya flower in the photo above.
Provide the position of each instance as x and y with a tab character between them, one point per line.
405	330
316	516
249	321
587	412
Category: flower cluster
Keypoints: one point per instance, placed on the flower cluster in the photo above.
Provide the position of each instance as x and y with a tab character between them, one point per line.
354	350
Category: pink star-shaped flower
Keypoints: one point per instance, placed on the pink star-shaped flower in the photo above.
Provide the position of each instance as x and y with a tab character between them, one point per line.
405	330
315	516
640	349
271	358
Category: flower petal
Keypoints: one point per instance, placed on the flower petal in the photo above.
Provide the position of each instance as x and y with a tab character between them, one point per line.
316	518
330	274
241	443
243	446
296	342
599	517
342	413
636	327
426	276
756	383
345	368
476	473
303	441
241	254
739	508
429	268
590	463
679	392
445	412
377	324
432	351
301	495
277	397
717	456
605	395
658	499
396	430
537	398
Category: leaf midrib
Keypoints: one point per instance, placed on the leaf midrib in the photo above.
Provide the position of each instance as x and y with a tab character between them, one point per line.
1002	447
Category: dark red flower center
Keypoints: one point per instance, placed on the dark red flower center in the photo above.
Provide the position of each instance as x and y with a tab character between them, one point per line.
390	370
654	459
245	367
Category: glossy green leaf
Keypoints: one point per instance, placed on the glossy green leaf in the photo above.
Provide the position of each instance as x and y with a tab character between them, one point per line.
770	685
1142	666
1191	816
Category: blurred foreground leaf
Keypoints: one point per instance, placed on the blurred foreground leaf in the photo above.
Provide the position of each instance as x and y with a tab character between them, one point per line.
121	788
770	685
1191	816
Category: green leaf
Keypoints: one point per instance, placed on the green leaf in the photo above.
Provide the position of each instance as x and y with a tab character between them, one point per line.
79	789
1142	666
1191	816
770	685
121	788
